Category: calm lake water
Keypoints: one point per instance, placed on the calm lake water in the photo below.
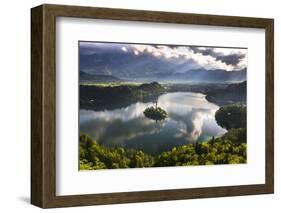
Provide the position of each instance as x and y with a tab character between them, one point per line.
190	119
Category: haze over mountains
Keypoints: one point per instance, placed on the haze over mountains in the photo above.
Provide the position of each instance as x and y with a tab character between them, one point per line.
86	77
160	63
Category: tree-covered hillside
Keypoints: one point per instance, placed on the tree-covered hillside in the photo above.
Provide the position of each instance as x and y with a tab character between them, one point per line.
216	151
233	93
100	98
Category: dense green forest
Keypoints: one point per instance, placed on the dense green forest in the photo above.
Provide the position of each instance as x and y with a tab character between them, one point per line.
231	148
232	93
99	97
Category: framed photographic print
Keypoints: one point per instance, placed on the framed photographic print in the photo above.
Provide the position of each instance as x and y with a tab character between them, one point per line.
137	106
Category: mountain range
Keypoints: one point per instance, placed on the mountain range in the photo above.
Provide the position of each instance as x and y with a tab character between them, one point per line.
127	66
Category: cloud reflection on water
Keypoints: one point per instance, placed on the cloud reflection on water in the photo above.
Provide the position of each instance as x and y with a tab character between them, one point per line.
190	118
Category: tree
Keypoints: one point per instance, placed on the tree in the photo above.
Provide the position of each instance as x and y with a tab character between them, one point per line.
231	116
96	156
236	136
155	113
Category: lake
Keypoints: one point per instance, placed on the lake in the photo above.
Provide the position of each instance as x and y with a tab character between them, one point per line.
190	119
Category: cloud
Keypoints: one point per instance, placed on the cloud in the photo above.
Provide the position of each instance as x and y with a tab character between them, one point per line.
186	57
230	56
199	57
124	49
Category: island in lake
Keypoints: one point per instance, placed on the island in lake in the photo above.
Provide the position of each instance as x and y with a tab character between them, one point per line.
144	105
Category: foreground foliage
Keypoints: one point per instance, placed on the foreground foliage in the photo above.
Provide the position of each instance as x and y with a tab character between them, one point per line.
216	151
96	156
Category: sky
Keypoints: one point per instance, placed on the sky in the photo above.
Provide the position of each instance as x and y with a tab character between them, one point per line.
191	57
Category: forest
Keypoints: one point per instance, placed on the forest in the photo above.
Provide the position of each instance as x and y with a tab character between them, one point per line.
231	148
113	95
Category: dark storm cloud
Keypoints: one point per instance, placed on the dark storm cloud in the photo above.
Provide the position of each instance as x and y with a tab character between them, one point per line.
231	59
205	51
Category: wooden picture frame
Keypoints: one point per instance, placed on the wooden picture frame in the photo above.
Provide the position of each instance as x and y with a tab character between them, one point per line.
43	105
